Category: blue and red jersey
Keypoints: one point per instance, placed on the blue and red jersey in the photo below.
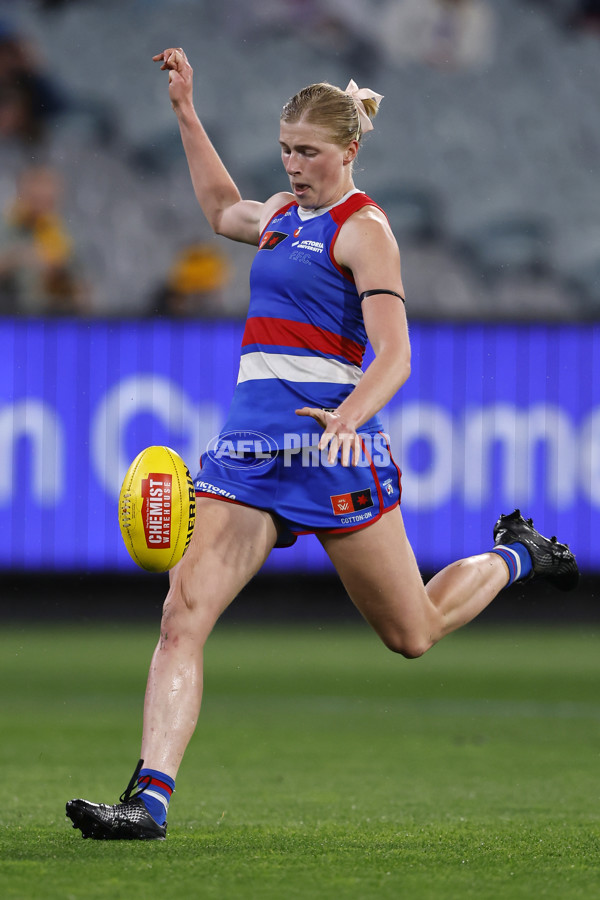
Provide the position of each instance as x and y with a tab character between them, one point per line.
305	338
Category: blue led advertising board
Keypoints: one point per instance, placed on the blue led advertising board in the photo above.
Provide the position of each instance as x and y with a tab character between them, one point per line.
493	417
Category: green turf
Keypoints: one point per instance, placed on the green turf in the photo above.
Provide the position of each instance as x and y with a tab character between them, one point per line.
323	766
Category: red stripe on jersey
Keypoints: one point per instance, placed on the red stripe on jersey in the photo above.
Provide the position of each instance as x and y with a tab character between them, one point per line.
279	212
287	333
341	214
344	210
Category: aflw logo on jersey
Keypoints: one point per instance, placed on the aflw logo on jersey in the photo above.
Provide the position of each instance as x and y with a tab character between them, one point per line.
156	509
346	503
270	239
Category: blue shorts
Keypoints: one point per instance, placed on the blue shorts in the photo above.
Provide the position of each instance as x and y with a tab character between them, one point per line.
304	493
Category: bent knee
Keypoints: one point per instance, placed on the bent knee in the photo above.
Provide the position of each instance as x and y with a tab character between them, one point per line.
410	647
188	610
184	594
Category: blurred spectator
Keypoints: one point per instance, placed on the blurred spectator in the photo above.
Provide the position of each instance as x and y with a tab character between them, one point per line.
39	274
194	287
18	118
586	16
441	33
29	98
55	4
336	27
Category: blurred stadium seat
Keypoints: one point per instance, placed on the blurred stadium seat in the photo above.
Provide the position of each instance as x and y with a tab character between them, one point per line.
584	282
514	145
415	212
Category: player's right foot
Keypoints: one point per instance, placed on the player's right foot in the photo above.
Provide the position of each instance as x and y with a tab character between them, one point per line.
128	820
550	560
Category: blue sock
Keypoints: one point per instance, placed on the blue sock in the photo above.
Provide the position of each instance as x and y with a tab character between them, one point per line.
517	558
158	793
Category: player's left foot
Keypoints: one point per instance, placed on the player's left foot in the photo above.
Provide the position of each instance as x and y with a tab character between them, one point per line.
550	559
128	820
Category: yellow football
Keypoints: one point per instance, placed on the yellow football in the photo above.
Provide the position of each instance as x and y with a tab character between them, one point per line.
157	509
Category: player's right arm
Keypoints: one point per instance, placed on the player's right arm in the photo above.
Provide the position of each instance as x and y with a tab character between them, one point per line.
216	192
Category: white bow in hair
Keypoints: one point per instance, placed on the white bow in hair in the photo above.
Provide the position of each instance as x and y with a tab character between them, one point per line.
358	95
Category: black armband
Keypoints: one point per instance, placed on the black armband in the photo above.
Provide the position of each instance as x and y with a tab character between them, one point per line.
366	294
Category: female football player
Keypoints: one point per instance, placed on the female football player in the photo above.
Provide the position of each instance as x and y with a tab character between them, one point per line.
326	278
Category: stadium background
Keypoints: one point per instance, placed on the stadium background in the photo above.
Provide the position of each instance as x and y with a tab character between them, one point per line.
485	156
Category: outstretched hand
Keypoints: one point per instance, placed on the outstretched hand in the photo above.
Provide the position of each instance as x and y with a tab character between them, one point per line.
337	435
181	74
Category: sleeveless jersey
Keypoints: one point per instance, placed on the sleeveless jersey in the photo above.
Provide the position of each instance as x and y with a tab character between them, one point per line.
304	338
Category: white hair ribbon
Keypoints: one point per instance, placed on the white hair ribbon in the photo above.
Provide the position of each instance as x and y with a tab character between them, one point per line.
358	95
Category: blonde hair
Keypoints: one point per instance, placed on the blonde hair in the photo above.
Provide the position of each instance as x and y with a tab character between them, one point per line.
331	107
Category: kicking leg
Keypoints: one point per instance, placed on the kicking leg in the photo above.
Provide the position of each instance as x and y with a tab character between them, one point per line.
378	569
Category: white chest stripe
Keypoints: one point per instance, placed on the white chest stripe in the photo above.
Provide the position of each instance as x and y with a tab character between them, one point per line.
258	365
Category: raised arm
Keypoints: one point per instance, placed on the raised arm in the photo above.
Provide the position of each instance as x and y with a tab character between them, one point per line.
216	192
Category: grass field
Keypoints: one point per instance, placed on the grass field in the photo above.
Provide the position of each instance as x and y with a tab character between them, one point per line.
323	767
